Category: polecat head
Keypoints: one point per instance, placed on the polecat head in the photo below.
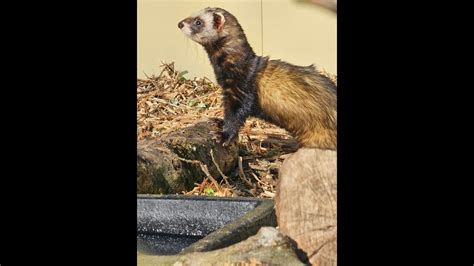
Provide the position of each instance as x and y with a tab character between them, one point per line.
209	25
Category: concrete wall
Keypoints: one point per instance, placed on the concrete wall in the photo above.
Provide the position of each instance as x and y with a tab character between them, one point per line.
298	33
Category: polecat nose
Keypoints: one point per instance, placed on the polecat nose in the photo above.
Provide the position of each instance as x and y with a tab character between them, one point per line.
180	24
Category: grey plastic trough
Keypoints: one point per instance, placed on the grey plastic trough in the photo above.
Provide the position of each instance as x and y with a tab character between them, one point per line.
173	224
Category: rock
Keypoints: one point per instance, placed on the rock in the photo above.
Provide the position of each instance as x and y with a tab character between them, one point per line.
239	229
306	203
160	169
267	247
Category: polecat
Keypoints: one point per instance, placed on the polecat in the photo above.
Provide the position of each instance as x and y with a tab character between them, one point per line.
296	98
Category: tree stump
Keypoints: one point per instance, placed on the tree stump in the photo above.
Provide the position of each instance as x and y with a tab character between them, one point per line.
306	203
164	167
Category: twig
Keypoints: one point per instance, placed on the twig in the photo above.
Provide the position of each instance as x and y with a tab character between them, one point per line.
257	167
242	176
268	194
203	168
249	192
258	180
219	169
202	185
156	85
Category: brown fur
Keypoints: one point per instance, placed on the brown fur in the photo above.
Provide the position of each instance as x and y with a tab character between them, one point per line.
302	101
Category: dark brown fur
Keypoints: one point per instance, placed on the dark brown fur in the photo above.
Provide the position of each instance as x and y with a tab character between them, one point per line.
299	99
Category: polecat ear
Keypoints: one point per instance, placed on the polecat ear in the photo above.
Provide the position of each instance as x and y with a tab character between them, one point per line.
219	21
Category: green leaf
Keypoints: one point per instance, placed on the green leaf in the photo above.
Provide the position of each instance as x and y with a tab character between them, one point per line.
181	75
209	191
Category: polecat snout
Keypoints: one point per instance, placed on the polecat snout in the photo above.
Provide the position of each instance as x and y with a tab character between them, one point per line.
299	99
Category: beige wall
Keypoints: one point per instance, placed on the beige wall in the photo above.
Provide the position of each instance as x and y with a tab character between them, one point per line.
298	33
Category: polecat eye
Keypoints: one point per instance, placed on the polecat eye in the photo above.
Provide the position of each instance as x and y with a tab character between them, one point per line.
198	23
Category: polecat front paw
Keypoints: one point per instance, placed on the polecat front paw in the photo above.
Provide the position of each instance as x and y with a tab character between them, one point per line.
222	138
226	139
216	136
216	122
